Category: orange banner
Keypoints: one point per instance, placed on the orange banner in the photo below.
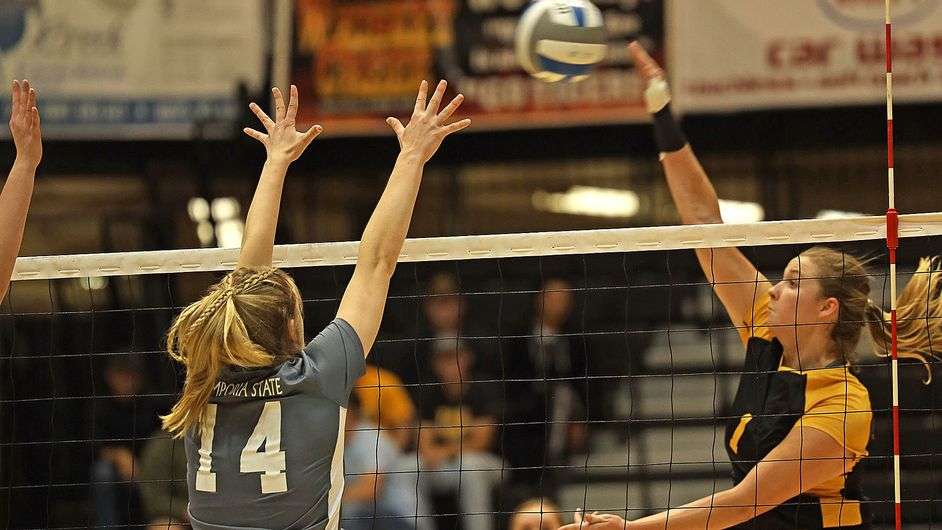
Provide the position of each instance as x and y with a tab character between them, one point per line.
362	60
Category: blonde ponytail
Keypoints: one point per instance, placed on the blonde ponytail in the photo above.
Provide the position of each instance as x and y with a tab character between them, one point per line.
918	316
243	321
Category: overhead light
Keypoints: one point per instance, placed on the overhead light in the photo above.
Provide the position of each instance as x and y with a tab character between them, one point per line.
204	231
229	233
198	209
736	212
225	211
589	200
225	208
837	214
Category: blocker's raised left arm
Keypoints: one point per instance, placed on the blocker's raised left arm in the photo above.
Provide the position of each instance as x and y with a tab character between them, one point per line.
18	188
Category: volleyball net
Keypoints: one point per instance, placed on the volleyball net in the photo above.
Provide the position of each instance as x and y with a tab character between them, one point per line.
594	369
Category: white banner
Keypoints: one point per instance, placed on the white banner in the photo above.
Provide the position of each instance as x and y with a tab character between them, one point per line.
131	68
750	54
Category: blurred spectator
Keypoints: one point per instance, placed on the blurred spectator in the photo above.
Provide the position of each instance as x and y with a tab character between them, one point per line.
457	434
372	497
162	478
536	514
443	315
447	317
384	401
558	358
546	407
117	422
444	307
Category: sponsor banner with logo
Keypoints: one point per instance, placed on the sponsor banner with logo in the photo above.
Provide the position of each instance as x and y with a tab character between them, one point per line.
747	54
361	61
132	68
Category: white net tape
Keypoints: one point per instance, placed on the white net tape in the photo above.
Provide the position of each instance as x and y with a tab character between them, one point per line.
818	231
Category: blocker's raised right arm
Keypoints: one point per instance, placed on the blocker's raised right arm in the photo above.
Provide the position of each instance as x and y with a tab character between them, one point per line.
364	300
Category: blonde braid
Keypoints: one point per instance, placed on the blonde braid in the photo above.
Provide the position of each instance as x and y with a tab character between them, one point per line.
226	294
252	281
222	298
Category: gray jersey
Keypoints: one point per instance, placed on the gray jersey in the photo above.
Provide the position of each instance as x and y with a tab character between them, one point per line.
269	453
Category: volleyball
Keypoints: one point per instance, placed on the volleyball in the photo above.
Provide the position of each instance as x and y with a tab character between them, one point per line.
560	39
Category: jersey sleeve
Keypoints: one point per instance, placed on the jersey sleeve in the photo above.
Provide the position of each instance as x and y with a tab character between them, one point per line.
844	415
336	360
755	323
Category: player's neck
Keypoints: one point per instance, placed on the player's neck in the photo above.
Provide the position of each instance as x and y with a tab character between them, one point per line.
808	352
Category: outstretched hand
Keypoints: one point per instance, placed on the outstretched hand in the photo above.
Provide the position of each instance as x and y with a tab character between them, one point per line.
646	65
24	124
595	521
282	142
657	94
426	129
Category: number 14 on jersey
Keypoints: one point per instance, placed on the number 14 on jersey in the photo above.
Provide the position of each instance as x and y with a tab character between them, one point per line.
261	454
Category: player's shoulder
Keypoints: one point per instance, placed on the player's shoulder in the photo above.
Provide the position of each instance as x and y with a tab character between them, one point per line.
838	384
337	334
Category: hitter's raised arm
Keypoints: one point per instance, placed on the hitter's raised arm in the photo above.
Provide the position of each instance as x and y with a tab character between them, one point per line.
735	279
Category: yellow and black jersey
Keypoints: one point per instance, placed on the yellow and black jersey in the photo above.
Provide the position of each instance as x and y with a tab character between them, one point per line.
771	400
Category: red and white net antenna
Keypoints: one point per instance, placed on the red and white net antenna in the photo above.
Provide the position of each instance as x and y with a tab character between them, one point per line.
892	243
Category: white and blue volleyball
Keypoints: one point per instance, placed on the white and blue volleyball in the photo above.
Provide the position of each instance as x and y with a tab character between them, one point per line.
560	39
